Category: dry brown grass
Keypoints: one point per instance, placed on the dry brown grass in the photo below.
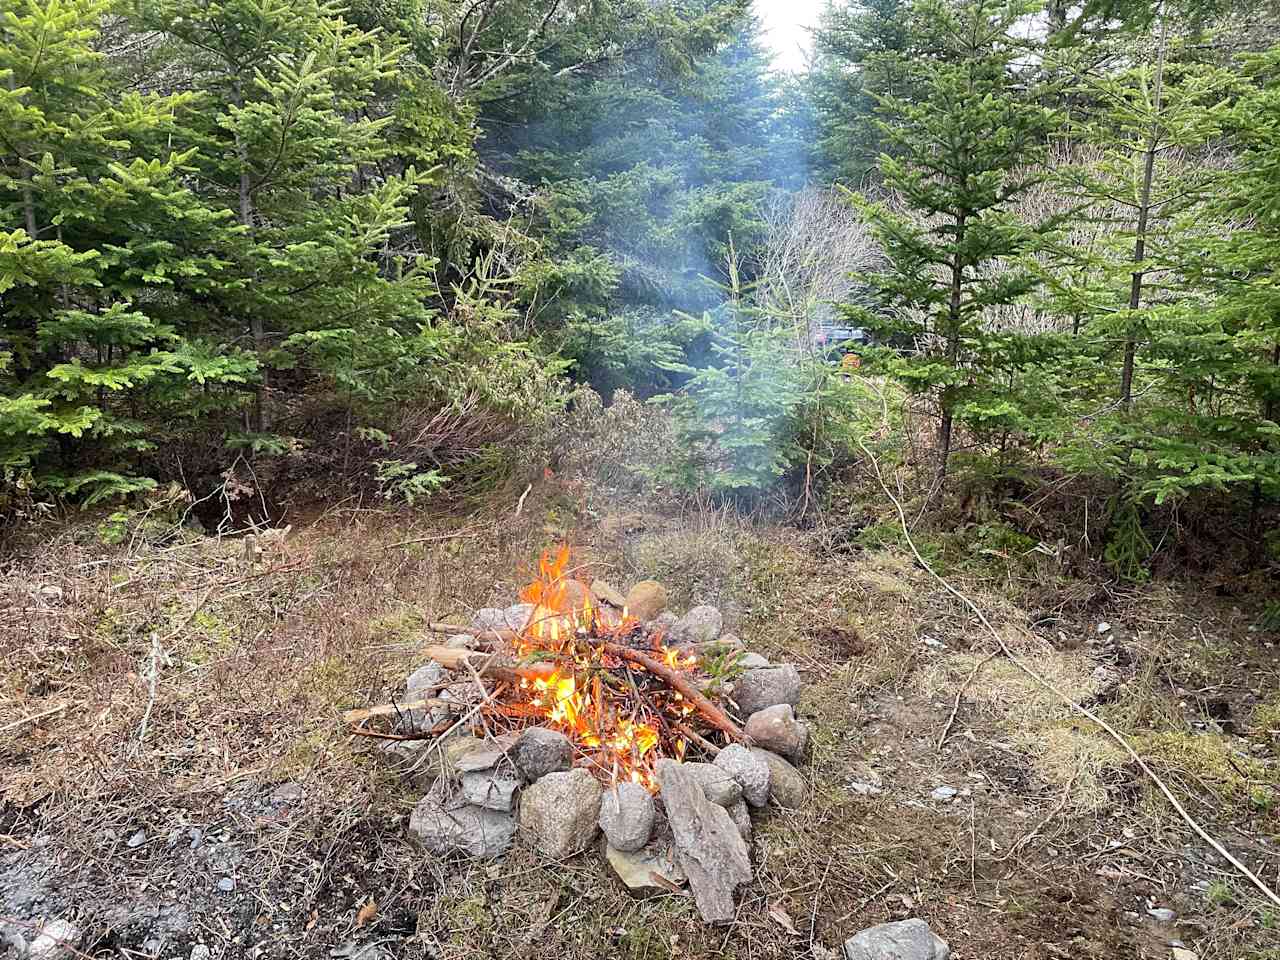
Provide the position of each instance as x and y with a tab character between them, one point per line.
254	664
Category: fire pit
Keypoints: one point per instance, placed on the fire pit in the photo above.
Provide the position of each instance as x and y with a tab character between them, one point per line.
580	711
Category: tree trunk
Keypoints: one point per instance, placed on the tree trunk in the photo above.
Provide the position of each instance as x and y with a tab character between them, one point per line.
953	354
258	420
1144	215
1255	499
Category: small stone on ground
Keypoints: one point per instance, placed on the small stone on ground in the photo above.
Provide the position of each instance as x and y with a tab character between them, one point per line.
646	869
904	940
787	788
776	728
626	816
749	770
766	687
469	829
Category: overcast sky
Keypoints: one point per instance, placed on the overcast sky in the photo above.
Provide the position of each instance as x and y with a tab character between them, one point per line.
785	24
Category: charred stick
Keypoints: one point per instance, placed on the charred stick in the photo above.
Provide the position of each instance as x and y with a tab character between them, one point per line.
694	737
710	712
443	726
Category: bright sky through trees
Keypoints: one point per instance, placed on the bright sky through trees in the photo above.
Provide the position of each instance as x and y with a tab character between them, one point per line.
787	24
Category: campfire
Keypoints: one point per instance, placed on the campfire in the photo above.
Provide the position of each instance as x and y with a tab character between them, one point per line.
582	710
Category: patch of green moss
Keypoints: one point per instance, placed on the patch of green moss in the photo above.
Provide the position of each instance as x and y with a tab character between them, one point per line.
401	625
328	680
1266	718
1235	778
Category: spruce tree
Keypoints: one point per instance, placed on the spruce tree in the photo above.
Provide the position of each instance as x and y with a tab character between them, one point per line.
961	152
287	137
107	227
860	51
1219	352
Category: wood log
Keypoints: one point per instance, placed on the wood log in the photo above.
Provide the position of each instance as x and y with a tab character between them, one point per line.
362	714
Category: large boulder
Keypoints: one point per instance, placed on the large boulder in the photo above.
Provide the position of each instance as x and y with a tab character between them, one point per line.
490	790
717	783
539	751
626	816
702	624
904	940
646	600
560	812
709	848
777	729
443	829
787	788
749	770
766	687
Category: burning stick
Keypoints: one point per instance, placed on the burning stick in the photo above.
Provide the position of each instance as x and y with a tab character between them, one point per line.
710	712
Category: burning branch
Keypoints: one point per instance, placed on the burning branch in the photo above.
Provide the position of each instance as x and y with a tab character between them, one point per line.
680	684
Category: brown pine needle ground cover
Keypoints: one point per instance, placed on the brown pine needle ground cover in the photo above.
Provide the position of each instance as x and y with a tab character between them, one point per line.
175	772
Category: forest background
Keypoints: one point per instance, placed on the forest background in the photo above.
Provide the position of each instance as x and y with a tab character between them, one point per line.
259	252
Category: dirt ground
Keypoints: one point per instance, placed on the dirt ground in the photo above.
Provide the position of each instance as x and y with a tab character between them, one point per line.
175	775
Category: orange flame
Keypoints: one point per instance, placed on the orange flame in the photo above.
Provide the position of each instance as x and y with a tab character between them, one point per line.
581	697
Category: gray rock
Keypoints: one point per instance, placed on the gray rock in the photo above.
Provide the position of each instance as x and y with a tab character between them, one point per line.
483	755
561	812
652	869
604	591
626	816
475	831
709	848
766	687
646	600
904	940
420	685
57	939
740	814
426	676
777	729
1162	915
749	770
518	615
752	661
539	751
226	884
702	624
137	840
943	794
787	788
718	784
665	621
289	793
423	762
462	641
484	789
